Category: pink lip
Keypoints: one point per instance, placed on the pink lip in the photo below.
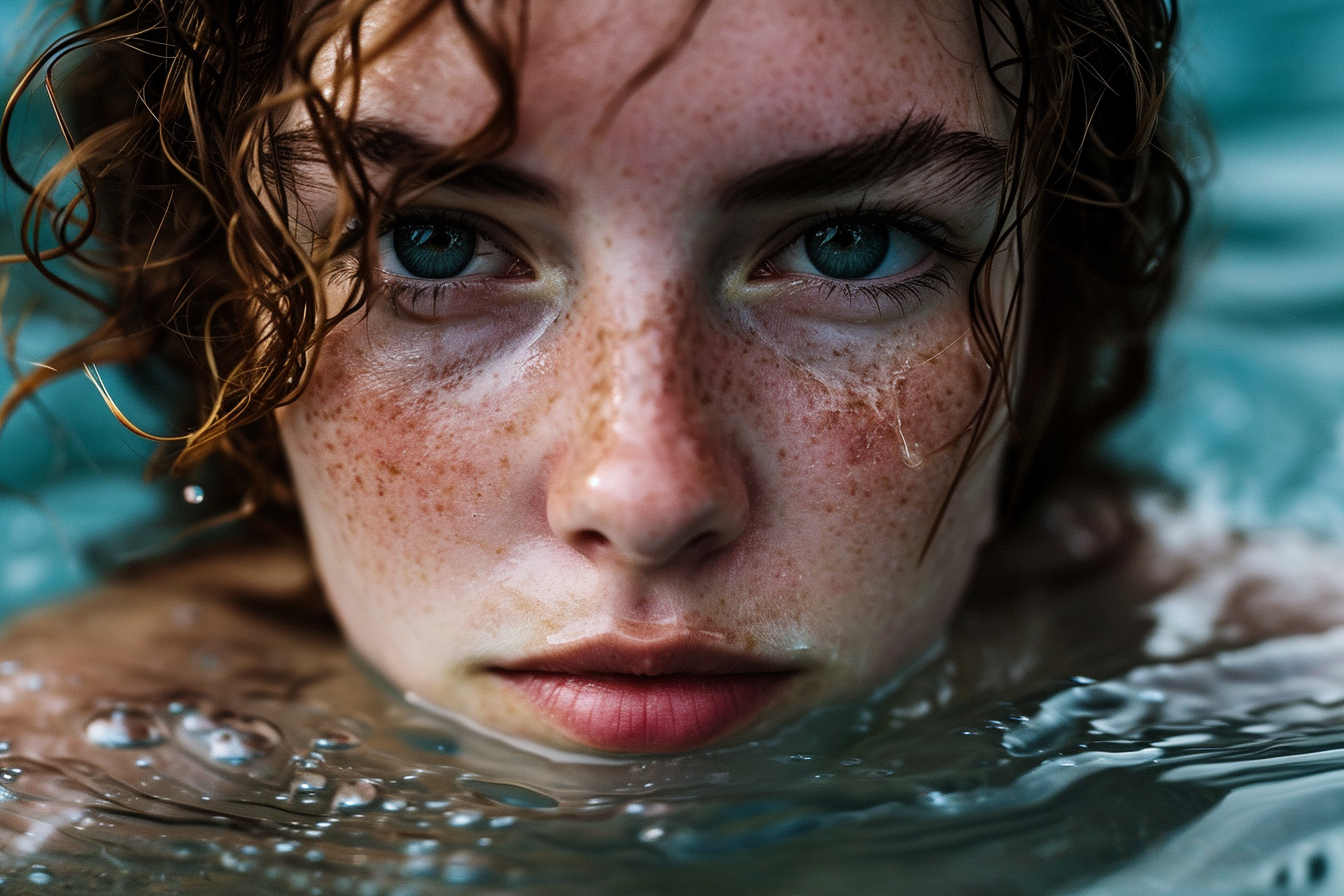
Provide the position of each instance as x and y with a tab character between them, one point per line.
628	696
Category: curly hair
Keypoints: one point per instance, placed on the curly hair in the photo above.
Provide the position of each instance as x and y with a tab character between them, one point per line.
172	110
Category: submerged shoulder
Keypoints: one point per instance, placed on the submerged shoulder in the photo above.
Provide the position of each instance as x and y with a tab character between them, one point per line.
159	695
1224	588
1100	579
175	625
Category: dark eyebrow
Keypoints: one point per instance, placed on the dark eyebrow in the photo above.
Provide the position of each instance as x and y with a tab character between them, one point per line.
386	146
975	163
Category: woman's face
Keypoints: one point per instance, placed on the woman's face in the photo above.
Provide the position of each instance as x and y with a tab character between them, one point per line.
650	419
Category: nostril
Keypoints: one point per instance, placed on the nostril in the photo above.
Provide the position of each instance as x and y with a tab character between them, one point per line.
590	539
702	543
593	542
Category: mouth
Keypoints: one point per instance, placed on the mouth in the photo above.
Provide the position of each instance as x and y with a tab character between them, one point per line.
626	696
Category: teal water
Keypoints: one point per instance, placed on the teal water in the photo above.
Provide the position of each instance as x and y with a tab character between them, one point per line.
1247	415
1220	773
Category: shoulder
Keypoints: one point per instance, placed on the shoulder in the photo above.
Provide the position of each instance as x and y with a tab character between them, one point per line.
242	616
174	688
1098	580
1225	588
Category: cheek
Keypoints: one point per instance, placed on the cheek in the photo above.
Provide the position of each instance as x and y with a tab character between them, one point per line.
884	418
860	470
388	455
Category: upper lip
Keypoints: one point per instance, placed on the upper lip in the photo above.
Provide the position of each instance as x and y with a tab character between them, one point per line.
614	655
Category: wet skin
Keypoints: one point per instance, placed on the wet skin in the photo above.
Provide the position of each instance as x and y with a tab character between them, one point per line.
642	476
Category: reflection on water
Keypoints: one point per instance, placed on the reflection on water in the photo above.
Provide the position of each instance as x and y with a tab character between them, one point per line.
221	769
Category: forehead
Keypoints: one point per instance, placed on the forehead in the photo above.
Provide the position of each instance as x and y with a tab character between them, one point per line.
754	81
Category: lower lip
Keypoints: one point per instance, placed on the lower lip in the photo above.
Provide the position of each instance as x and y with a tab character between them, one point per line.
648	713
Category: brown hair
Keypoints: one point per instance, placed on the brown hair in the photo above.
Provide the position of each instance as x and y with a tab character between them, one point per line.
171	116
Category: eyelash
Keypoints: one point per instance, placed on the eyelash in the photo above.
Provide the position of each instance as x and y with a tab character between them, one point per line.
911	289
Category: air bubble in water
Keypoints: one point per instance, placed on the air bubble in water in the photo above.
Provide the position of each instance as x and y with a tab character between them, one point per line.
236	746
309	782
193	494
465	818
464	868
420	847
229	738
352	795
335	740
124	728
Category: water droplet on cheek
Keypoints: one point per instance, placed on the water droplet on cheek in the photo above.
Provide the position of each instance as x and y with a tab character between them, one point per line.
910	450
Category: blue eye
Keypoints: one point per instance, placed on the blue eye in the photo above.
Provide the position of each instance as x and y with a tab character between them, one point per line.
434	251
848	251
435	246
855	249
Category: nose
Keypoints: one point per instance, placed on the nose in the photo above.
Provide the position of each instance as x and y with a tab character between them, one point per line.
649	478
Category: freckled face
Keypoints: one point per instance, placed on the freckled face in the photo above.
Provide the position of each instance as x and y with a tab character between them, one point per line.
640	443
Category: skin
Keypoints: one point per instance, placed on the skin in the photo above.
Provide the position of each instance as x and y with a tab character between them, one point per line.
647	429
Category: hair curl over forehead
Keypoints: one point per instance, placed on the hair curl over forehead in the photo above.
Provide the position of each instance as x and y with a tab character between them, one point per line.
174	128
